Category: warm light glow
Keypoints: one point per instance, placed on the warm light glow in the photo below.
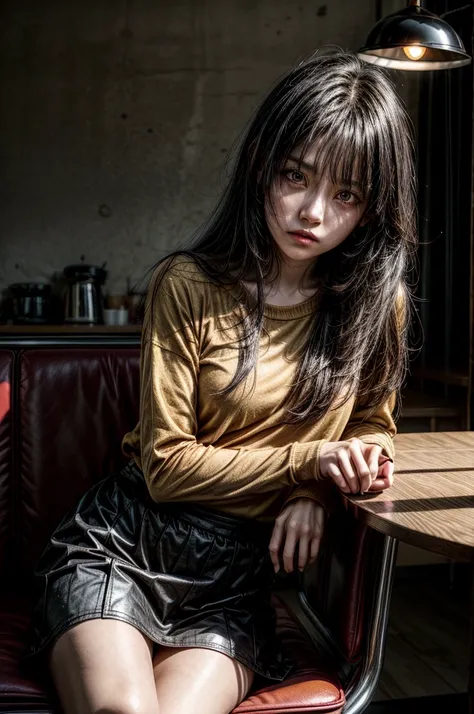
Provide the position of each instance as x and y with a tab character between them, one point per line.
414	52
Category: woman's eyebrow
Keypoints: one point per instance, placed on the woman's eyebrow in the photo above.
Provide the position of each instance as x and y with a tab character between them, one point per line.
305	165
309	167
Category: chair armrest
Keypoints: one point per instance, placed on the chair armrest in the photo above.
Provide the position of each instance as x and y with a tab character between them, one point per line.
362	687
346	597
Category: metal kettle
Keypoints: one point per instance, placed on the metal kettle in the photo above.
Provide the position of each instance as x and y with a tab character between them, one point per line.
84	301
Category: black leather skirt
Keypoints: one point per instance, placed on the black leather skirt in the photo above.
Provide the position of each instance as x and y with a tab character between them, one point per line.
185	576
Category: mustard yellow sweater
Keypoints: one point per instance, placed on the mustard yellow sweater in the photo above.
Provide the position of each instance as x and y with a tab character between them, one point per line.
232	453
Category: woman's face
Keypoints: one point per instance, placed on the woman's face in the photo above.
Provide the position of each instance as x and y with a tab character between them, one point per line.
306	213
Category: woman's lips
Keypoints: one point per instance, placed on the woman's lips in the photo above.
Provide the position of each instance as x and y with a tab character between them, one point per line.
303	237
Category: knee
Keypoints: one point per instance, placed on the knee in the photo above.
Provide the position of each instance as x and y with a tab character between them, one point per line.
131	702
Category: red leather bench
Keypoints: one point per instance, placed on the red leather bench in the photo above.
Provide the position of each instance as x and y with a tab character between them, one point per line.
63	412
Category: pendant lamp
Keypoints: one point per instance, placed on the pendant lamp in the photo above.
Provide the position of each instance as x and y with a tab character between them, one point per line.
414	39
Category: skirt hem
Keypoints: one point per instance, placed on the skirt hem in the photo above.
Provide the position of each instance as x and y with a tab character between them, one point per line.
164	640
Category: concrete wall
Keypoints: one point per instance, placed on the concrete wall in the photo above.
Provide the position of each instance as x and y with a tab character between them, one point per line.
117	116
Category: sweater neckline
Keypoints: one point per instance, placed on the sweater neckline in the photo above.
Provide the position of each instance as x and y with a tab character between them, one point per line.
281	312
290	312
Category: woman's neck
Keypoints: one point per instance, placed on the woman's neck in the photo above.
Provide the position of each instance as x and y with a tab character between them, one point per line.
292	286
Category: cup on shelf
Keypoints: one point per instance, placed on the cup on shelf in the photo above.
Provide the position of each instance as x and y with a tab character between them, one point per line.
109	316
115	316
121	316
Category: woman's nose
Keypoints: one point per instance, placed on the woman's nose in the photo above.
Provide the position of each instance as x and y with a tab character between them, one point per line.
312	208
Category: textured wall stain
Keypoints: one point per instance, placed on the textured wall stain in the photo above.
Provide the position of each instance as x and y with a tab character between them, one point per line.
193	135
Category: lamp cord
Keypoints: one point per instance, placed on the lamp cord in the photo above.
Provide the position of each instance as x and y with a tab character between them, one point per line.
458	9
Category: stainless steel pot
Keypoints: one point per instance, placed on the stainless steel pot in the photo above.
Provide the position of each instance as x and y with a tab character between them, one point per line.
84	301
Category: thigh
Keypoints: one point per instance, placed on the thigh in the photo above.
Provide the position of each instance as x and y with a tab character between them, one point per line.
199	681
104	666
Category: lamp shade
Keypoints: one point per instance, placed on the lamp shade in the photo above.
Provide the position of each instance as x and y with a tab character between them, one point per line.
414	39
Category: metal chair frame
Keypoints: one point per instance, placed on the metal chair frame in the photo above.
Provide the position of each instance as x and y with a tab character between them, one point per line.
361	681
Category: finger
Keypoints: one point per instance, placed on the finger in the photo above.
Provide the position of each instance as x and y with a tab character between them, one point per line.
386	465
380	484
314	548
386	472
303	548
335	473
348	472
315	543
373	461
385	478
360	464
289	548
275	543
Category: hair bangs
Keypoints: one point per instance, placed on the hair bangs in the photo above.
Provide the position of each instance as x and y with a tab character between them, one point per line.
344	157
346	147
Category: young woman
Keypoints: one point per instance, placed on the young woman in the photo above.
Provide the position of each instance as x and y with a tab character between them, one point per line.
272	350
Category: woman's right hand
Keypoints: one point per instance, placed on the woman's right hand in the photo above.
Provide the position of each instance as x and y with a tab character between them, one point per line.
352	464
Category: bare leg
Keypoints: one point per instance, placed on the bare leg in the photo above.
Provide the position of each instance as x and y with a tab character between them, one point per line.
199	681
104	666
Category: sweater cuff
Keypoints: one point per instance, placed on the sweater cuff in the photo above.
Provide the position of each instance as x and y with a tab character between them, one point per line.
377	438
325	493
305	461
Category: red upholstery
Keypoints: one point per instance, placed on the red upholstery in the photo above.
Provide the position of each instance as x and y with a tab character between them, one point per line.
75	407
61	431
16	688
334	585
6	442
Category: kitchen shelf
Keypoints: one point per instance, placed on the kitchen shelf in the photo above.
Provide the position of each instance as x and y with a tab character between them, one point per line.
57	335
68	329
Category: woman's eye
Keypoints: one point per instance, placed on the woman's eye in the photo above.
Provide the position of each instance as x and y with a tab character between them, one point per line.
294	176
348	197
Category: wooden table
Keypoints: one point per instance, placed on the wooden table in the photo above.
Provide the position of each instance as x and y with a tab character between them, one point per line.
431	504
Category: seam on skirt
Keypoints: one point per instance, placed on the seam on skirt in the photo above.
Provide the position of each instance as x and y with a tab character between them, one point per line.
224	614
106	597
118	516
200	575
226	577
162	531
182	551
211	550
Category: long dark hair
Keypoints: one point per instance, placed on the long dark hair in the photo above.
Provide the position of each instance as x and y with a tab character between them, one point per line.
357	344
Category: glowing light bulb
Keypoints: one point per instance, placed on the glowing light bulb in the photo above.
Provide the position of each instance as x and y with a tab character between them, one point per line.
414	52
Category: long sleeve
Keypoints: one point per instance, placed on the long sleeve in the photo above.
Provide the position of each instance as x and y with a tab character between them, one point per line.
379	428
175	464
325	492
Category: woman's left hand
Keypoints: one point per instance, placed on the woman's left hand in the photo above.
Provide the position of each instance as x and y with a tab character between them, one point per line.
299	524
384	477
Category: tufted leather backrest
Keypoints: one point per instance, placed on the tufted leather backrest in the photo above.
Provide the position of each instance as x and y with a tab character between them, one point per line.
64	412
75	406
